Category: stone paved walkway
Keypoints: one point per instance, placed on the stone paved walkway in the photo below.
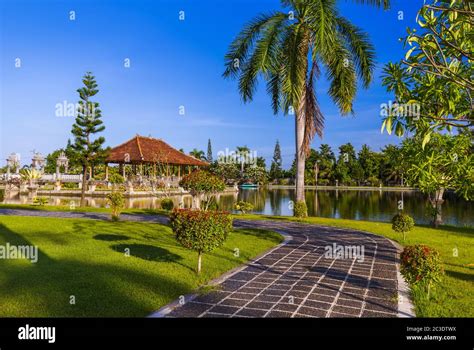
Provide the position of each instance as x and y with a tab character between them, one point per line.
298	280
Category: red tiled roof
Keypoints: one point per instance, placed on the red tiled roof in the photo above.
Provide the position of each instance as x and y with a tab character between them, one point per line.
142	149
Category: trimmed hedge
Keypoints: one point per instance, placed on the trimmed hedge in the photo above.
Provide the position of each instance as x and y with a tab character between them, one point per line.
199	230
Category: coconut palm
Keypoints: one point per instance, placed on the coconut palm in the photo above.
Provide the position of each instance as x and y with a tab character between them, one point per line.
198	154
289	51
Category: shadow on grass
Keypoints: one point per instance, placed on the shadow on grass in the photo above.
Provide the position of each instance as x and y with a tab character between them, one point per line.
44	289
469	277
147	252
110	237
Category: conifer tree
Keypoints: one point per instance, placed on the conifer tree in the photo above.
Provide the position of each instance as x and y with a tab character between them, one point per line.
87	149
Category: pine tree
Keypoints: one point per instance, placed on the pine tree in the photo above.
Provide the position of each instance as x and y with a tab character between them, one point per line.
209	151
87	151
275	170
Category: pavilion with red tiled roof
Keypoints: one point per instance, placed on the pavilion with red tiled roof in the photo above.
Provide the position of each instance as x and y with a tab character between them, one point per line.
149	155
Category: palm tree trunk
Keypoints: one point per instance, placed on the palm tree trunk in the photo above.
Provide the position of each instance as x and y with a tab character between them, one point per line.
300	156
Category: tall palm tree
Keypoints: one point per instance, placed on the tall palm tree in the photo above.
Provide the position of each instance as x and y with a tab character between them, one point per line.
288	50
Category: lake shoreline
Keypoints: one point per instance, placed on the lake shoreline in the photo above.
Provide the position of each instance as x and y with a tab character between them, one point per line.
348	188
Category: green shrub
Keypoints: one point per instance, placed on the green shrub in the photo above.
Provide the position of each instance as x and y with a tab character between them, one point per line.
40	201
116	201
2	194
402	223
283	182
201	182
199	230
116	179
70	185
373	181
421	265
167	204
243	206
323	182
300	210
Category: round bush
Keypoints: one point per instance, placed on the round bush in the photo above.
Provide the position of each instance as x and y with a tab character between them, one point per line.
200	182
402	223
167	204
421	264
199	230
300	210
243	206
116	179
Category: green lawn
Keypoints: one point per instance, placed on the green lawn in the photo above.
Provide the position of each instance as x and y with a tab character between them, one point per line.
86	259
66	208
454	297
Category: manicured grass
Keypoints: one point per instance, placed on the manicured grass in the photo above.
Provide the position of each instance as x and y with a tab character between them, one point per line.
86	259
66	208
454	297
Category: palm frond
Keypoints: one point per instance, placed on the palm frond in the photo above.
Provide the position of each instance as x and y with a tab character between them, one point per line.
262	58
294	68
361	49
314	118
341	73
243	43
377	3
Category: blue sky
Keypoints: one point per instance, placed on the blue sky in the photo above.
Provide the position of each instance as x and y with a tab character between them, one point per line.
173	63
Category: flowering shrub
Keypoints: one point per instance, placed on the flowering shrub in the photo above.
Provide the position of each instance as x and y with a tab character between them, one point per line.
421	264
243	206
199	230
402	223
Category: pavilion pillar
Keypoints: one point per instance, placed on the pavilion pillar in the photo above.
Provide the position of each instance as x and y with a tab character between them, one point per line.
106	171
179	170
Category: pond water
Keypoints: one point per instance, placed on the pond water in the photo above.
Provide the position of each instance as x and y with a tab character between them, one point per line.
346	204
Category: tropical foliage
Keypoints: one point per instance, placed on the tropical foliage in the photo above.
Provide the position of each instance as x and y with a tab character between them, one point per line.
289	50
436	73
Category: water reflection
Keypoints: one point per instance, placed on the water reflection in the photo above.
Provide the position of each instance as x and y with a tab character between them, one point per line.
358	205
